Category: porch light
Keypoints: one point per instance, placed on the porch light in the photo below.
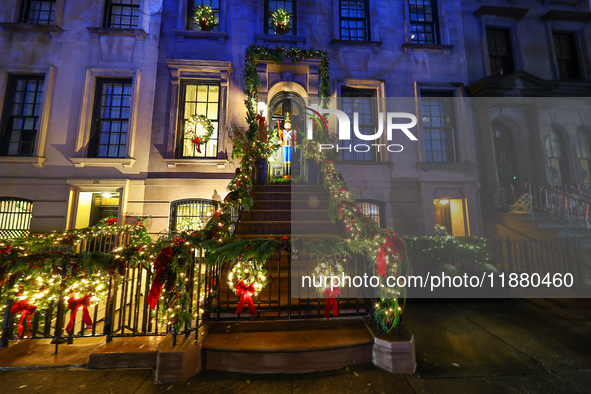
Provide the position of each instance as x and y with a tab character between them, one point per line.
443	202
262	108
107	195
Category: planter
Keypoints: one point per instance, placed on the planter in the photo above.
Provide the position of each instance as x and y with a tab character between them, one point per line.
260	171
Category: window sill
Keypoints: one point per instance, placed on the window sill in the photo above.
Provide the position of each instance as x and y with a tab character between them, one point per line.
445	49
182	35
33	160
219	163
81	162
20	27
262	39
139	34
375	45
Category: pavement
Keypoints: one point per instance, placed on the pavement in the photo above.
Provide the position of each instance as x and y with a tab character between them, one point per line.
486	346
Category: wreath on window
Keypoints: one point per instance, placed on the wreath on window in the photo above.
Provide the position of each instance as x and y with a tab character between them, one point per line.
205	17
280	20
191	127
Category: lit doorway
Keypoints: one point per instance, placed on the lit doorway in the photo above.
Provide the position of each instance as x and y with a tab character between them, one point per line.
94	207
450	214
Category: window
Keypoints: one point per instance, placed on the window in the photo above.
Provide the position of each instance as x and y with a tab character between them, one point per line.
554	155
584	156
15	217
423	21
38	12
372	209
190	214
361	101
566	55
20	121
287	5
438	127
214	4
500	53
505	155
199	98
122	14
110	125
354	20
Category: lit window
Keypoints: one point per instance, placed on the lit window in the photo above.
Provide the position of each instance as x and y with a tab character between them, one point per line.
438	127
273	5
215	6
38	12
362	102
199	99
566	55
111	117
449	217
372	209
20	121
15	217
123	14
354	20
423	21
500	53
190	214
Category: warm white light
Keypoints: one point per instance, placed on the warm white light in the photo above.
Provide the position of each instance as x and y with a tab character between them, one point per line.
443	202
107	195
262	108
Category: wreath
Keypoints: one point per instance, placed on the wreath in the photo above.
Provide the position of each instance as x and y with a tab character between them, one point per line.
281	20
247	279
191	130
328	270
205	17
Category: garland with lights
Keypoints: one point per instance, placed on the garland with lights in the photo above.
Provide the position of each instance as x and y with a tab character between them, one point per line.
281	21
205	17
327	269
191	127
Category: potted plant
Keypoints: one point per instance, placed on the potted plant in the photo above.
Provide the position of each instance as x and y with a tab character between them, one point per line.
205	17
281	21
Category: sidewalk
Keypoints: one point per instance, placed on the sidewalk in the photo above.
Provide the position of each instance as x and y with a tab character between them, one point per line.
462	347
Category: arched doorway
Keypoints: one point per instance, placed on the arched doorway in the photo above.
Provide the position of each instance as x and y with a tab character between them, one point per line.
280	105
505	155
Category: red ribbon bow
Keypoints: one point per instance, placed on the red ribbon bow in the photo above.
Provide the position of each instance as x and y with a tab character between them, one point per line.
197	141
74	304
163	259
383	253
27	310
331	301
245	292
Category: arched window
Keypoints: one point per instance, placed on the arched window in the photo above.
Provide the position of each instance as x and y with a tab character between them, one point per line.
554	155
372	209
190	214
505	154
15	217
584	156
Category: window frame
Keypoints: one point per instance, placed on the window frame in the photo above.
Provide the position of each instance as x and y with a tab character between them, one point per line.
25	232
508	31
561	159
581	134
173	210
190	25
95	129
366	20
267	17
180	123
574	37
26	7
439	93
373	95
108	15
381	210
436	23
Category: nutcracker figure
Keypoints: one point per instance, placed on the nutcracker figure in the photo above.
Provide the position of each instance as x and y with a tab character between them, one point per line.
287	136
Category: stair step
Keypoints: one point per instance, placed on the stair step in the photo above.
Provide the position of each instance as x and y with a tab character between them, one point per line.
277	214
128	352
287	196
287	205
275	227
288	188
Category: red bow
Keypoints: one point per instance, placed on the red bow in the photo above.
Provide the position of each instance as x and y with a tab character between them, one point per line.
383	253
331	301
245	292
74	304
163	259
197	141
27	310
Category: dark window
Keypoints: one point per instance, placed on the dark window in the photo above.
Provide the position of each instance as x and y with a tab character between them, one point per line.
423	21
373	210
500	54
362	102
199	99
15	217
123	14
555	169
354	20
112	105
38	12
438	127
20	121
566	55
190	214
584	156
215	6
287	5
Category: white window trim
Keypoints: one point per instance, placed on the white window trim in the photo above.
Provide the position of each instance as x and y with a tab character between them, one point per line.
80	158
368	84
196	70
41	138
461	121
509	25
